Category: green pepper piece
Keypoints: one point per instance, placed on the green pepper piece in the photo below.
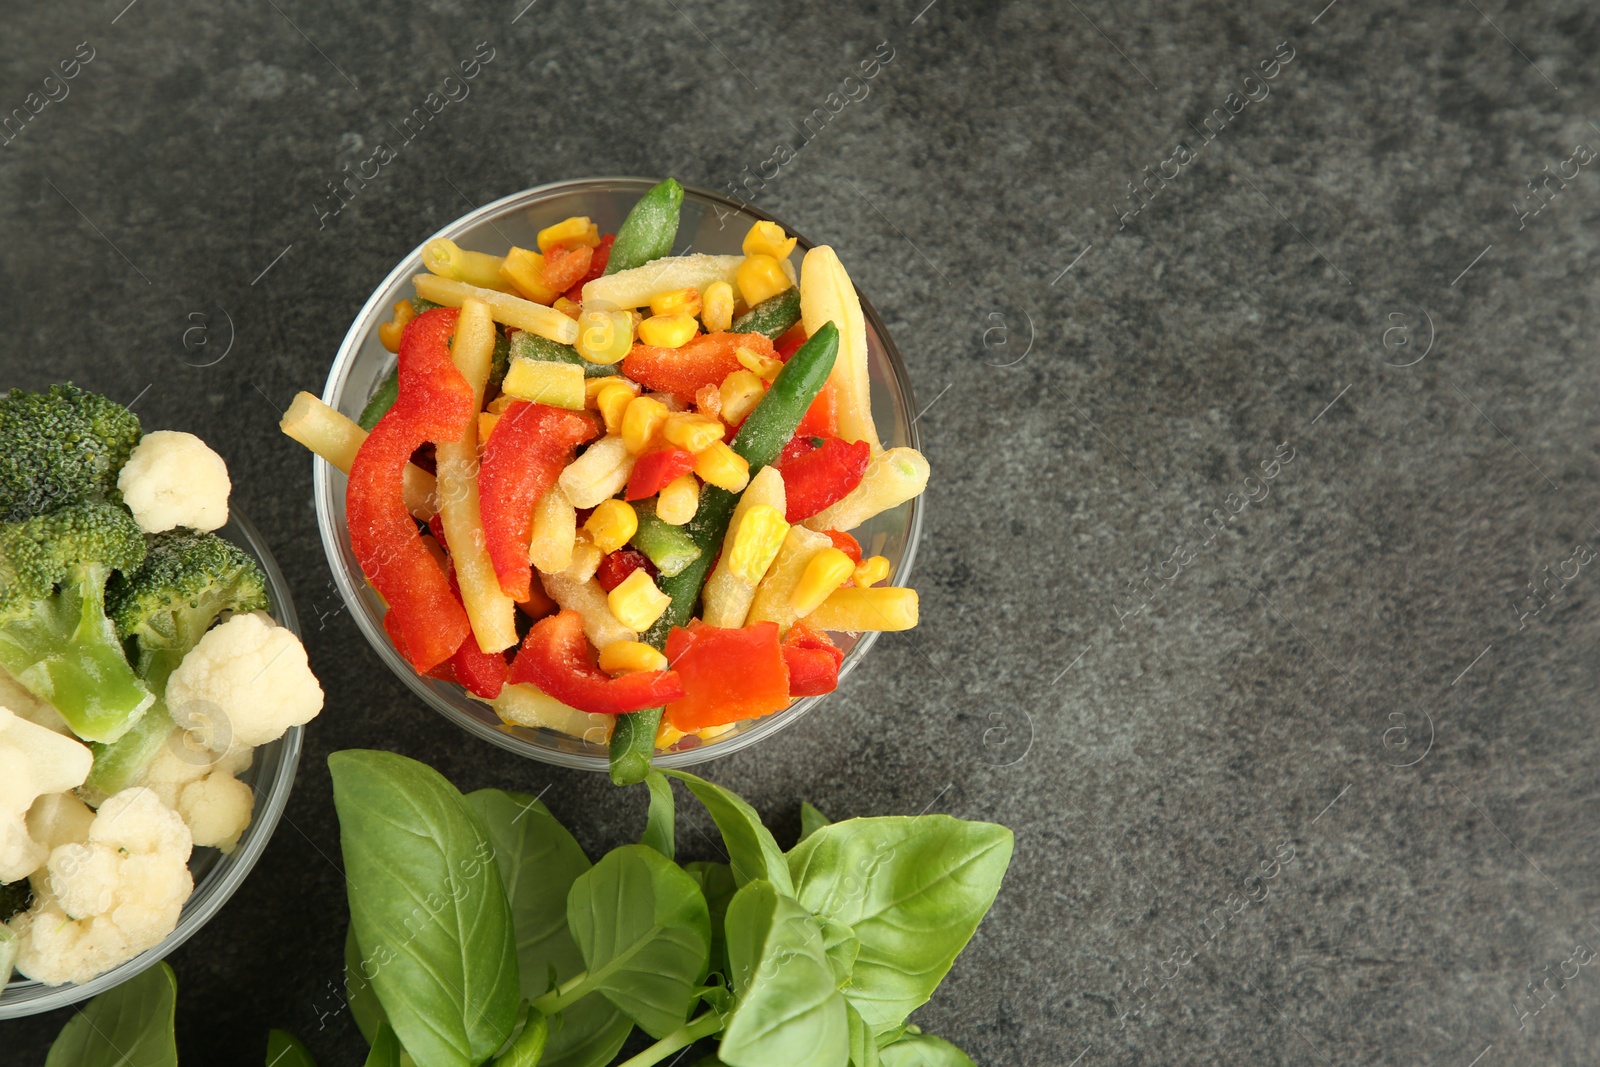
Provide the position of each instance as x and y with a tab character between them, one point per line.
649	229
760	439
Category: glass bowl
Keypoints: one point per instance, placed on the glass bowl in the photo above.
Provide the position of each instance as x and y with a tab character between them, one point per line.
216	876
710	224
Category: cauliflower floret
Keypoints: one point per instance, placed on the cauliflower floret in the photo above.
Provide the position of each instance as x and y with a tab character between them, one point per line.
34	761
244	684
108	899
58	819
203	787
174	479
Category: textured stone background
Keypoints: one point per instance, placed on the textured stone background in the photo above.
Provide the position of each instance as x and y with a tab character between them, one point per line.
1344	675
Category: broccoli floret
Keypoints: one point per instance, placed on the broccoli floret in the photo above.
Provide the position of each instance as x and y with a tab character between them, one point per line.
55	637
59	448
187	582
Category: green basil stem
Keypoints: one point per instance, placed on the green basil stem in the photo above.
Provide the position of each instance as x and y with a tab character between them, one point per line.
760	439
567	993
706	1025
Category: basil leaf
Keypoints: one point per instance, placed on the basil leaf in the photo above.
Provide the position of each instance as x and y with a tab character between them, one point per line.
658	827
841	945
285	1050
922	1050
912	889
863	1048
363	1001
642	926
529	1045
385	1051
752	852
811	820
716	884
427	906
787	1008
538	862
126	1025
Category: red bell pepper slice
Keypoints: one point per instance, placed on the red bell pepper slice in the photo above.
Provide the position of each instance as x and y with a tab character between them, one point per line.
813	661
653	471
845	543
705	360
521	461
425	621
557	658
728	674
566	267
616	566
818	476
822	417
597	267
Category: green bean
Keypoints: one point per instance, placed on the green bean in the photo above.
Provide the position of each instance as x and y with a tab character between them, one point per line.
774	316
383	399
648	231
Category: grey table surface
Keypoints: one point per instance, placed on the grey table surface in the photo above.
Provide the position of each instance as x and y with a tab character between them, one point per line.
1257	491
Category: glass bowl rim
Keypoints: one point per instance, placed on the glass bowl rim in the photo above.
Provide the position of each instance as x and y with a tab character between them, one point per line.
228	873
331	528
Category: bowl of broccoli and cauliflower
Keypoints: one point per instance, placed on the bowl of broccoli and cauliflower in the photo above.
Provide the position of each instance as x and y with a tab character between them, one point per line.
152	690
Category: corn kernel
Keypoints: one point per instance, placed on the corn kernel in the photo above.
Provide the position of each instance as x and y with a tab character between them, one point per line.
621	656
768	239
764	368
611	524
668	735
637	603
708	399
612	399
723	468
500	404
668	331
545	382
389	333
716	308
525	271
692	433
570	308
605	335
643	419
677	302
741	392
756	542
870	572
570	233
678	500
827	571
760	277
486	421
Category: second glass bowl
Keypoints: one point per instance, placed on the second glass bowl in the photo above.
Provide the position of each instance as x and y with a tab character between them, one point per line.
710	224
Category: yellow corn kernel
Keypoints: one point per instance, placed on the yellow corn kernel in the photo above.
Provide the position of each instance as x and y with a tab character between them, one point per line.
761	277
692	433
716	308
678	500
708	399
612	400
637	603
570	233
545	382
611	524
827	571
723	468
447	259
759	365
756	542
677	302
643	419
740	393
486	421
525	271
389	333
768	239
870	571
499	404
604	335
570	308
621	656
668	735
668	331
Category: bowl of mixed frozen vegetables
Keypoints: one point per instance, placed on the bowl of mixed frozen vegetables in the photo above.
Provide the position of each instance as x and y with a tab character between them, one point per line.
614	473
152	690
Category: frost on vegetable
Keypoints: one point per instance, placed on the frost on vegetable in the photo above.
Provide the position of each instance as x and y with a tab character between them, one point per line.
173	479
